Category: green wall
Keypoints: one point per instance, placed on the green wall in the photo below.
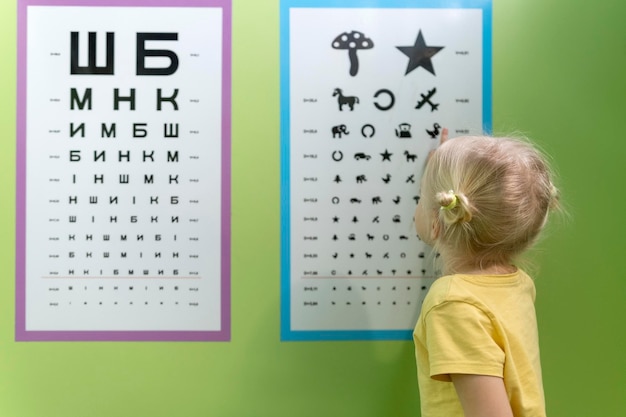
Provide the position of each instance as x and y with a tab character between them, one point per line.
559	77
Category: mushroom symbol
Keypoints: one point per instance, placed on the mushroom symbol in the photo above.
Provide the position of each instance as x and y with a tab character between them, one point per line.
352	41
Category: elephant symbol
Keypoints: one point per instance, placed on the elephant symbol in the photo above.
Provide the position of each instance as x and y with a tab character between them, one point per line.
339	130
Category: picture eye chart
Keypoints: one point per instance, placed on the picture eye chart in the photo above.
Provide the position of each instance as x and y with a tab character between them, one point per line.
366	89
123	170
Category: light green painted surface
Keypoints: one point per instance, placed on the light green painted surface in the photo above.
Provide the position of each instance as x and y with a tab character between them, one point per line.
559	77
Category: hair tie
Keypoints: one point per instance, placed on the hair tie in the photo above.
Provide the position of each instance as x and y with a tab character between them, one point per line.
452	204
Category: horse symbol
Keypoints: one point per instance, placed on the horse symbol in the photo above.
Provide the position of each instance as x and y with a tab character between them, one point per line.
410	157
342	100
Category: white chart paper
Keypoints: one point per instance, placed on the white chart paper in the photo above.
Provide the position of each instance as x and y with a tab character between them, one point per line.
365	94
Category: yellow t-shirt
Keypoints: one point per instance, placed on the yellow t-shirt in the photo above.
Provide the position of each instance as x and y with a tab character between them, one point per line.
479	325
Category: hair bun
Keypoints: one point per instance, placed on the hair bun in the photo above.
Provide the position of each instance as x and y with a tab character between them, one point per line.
447	200
453	207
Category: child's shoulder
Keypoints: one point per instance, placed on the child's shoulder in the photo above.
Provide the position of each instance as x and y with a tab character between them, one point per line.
440	291
467	288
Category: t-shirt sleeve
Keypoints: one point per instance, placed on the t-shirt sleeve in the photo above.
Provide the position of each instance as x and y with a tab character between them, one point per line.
461	339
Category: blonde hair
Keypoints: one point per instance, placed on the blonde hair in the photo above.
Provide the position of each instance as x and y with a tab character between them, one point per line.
491	196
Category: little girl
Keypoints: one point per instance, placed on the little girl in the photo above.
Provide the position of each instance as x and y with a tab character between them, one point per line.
483	202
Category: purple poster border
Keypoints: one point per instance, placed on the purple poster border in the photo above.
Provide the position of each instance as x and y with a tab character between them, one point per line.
21	333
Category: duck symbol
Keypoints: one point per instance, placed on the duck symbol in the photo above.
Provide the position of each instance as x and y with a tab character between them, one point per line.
435	132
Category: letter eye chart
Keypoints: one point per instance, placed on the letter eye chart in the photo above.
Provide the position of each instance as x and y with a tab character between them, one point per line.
365	92
123	170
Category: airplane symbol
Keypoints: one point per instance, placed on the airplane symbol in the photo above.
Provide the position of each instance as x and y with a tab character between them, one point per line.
426	99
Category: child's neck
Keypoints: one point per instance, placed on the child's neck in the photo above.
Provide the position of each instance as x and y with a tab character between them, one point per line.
488	270
485	268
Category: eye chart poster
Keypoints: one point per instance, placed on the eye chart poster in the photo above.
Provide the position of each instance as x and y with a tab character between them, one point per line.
366	87
123	193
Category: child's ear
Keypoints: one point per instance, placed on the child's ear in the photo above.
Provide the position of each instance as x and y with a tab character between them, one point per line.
434	233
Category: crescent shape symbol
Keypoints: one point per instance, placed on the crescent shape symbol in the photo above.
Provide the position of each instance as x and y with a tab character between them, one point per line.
337	156
369	127
391	96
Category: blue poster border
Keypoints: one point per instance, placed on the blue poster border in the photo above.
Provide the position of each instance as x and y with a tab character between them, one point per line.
286	332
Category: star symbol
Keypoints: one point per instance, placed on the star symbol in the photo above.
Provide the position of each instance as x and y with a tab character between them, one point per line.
386	155
419	54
